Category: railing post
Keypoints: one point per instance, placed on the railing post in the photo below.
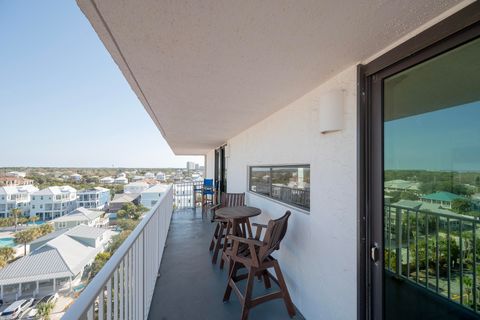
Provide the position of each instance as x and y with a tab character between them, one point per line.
398	230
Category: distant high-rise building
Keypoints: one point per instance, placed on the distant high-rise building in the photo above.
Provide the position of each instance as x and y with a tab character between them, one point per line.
190	165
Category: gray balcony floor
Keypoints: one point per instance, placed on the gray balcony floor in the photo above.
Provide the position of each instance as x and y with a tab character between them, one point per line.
191	287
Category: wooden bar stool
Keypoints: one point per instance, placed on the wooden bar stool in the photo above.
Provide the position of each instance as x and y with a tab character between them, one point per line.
222	227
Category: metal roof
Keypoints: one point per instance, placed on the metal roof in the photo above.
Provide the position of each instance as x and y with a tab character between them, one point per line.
62	256
79	214
124	197
83	231
55	190
442	196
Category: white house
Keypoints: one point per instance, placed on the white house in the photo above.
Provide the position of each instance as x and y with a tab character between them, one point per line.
160	176
15	197
53	202
55	263
136	187
18	174
107	180
94	198
150	196
149	175
120	180
304	106
76	177
91	218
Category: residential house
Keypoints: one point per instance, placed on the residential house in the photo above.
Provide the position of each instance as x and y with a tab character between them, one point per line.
16	197
402	185
120	199
135	187
441	198
76	177
94	198
120	180
91	218
17	174
107	180
14	181
160	176
54	264
53	202
150	196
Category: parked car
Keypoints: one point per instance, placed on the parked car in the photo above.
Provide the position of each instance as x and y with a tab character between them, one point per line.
32	314
48	298
14	310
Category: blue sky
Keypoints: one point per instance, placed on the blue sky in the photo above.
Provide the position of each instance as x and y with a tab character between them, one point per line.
447	139
63	101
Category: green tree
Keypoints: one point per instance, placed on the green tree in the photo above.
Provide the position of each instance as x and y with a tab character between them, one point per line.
15	213
7	253
99	262
131	211
26	236
45	228
127	224
118	240
44	310
33	219
461	205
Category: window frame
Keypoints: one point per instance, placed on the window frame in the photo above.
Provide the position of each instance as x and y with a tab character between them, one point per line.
269	196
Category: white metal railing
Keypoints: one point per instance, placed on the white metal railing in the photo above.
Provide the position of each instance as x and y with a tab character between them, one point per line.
187	194
123	288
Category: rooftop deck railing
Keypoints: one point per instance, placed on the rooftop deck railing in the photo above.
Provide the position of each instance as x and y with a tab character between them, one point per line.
437	251
123	288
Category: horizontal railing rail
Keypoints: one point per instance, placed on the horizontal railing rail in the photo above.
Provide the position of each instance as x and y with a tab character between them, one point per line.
123	288
435	250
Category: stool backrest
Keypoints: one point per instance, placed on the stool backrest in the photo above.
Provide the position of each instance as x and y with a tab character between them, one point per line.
232	200
276	230
208	183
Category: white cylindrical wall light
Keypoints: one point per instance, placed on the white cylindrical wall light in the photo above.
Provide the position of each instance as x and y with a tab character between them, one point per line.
330	111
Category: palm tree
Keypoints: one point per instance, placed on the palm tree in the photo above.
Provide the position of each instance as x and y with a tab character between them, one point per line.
44	310
7	253
33	219
26	236
16	212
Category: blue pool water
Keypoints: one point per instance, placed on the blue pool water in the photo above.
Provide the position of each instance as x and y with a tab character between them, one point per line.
79	287
7	242
36	223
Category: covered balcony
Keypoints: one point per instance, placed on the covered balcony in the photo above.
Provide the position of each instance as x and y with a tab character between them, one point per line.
282	99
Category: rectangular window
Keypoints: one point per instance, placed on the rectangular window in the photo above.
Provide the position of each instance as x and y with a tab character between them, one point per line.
288	184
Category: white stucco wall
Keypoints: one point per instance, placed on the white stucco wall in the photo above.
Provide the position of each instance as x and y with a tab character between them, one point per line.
318	255
210	165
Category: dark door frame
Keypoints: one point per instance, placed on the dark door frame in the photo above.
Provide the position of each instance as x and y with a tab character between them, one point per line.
220	171
451	32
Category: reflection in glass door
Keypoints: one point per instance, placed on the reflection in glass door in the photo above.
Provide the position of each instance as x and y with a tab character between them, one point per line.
431	169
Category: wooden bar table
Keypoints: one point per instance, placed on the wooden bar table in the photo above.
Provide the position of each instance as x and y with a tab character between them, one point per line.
238	224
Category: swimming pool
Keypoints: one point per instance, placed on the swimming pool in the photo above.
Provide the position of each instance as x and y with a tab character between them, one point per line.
37	223
7	242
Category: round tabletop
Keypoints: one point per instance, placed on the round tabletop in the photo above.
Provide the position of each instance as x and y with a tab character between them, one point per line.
237	212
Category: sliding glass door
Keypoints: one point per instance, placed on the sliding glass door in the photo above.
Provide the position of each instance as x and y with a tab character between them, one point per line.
425	202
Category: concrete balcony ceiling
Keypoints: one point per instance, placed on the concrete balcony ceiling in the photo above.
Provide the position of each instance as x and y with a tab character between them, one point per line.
207	70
